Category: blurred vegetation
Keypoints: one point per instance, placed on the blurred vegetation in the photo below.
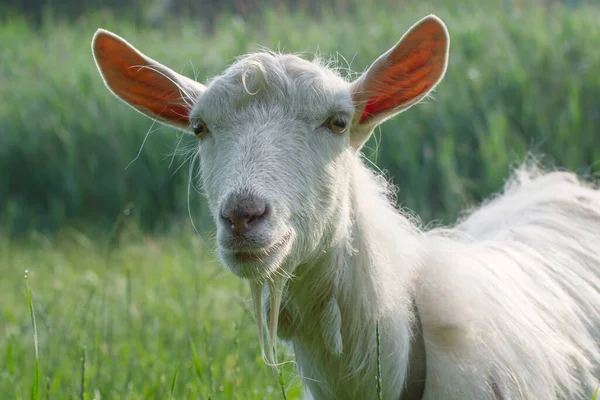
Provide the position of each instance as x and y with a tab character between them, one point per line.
522	77
207	11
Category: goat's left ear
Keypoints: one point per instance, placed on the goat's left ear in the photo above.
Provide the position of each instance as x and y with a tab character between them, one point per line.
146	85
401	77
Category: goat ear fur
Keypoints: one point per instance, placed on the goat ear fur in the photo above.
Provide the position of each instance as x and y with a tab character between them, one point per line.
146	85
401	77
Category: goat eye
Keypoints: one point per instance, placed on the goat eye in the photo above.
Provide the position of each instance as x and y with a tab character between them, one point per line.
200	129
337	124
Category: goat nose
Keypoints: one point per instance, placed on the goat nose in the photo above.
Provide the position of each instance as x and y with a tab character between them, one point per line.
241	213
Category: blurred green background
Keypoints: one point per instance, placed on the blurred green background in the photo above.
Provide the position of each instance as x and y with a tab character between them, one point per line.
98	214
523	76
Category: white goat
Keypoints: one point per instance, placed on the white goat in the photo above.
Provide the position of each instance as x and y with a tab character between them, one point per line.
505	305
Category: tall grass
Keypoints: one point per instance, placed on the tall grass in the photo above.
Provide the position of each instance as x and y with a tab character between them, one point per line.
518	81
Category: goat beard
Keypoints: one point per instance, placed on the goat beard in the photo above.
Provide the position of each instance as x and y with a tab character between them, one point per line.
275	287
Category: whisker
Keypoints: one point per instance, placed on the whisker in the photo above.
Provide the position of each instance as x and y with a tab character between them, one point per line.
175	151
143	143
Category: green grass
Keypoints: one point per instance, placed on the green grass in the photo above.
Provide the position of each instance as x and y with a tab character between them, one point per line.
517	81
156	317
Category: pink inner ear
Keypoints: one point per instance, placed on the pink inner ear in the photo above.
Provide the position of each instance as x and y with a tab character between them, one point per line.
408	72
163	105
146	85
396	92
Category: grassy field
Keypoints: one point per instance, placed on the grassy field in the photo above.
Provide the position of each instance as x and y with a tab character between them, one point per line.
153	317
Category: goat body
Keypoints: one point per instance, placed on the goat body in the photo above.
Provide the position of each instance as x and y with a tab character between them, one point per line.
504	305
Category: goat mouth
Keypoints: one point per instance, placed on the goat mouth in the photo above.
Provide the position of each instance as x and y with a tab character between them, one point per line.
260	254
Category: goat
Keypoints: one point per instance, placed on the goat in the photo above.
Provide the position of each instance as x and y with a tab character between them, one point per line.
503	305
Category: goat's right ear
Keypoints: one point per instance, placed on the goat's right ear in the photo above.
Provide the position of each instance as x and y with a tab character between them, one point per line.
401	77
146	85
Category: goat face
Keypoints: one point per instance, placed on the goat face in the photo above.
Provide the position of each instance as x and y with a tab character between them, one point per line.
273	160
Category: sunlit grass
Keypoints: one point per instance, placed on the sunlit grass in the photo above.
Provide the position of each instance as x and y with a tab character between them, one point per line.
158	319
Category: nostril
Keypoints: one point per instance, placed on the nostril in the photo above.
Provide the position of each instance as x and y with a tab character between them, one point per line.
253	214
241	213
226	217
258	214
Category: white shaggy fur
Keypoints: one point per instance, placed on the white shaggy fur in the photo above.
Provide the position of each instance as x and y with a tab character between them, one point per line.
508	299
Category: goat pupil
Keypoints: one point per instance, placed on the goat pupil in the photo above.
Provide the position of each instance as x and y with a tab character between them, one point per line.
337	125
199	128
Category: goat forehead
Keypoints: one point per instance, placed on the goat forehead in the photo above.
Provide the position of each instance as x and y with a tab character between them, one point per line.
301	87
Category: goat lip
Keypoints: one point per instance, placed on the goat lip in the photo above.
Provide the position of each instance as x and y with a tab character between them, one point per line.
259	254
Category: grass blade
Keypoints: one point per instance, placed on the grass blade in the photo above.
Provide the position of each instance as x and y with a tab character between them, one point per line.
35	388
173	381
282	384
379	395
197	365
82	393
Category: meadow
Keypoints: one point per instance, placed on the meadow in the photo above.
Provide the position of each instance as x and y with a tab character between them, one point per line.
129	301
137	317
